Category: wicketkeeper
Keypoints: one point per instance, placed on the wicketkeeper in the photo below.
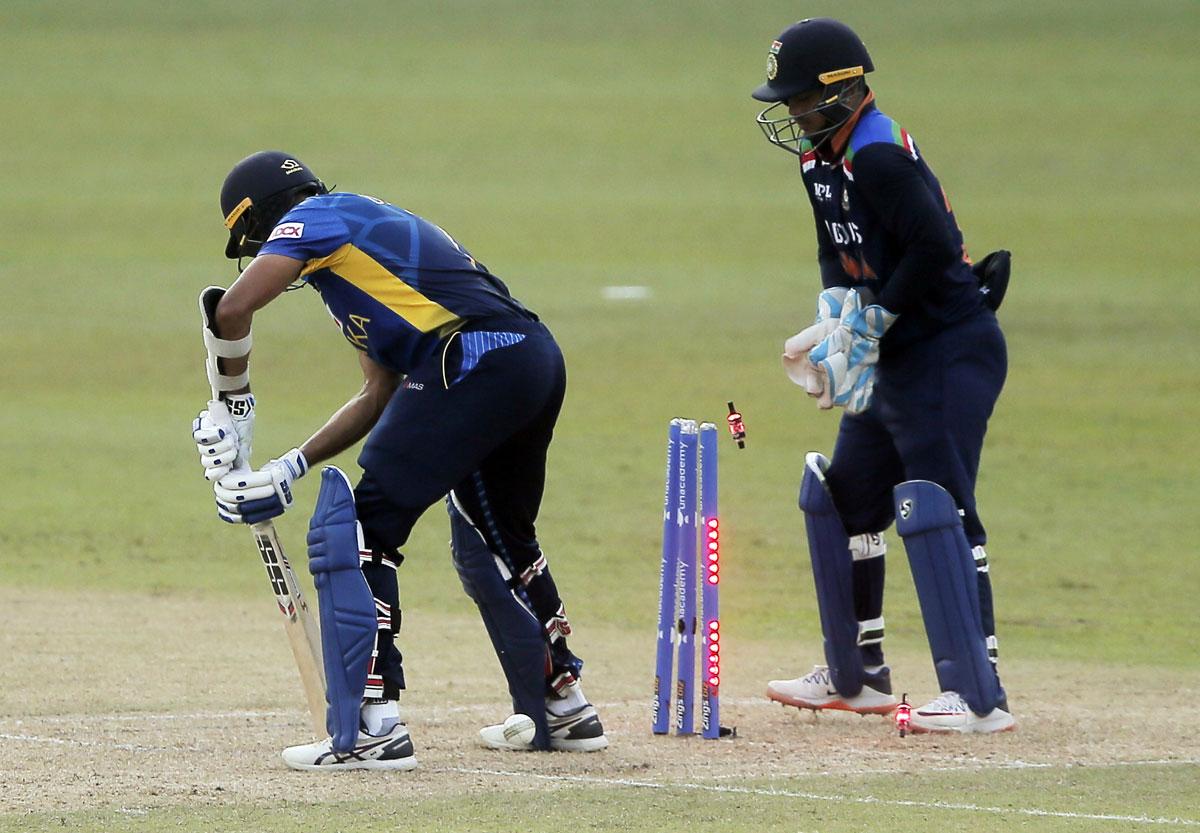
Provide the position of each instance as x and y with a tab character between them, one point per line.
462	386
906	340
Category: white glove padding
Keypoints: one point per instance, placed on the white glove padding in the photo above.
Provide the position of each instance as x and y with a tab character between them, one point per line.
251	497
217	445
224	444
795	356
795	349
849	353
241	409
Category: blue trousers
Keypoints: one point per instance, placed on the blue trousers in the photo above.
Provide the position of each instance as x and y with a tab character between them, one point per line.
927	421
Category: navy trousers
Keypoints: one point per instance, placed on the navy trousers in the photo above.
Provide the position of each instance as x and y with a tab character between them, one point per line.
477	418
927	421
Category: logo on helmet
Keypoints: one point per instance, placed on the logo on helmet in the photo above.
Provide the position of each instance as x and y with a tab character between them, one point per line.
772	61
291	166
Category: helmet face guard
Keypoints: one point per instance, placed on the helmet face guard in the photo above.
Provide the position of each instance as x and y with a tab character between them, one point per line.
836	106
250	223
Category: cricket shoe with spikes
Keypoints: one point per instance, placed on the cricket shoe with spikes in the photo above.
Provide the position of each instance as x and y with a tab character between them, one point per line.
392	750
578	730
948	712
815	691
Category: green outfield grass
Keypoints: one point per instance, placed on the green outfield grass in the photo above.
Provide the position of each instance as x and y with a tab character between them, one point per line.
573	146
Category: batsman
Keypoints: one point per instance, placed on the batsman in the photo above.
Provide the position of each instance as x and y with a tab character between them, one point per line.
461	389
906	340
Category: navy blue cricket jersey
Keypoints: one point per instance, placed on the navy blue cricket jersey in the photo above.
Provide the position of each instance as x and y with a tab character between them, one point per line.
884	223
395	283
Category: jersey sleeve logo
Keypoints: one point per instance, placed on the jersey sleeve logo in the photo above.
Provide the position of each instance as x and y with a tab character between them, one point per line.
287	231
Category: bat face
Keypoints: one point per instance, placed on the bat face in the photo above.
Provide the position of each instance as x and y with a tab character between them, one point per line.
299	623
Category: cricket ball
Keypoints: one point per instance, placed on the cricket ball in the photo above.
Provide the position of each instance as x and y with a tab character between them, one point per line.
519	730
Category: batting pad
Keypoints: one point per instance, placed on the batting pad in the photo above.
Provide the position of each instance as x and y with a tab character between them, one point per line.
943	570
515	632
347	608
833	574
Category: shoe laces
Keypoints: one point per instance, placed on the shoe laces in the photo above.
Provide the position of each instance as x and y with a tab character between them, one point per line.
947	701
818	676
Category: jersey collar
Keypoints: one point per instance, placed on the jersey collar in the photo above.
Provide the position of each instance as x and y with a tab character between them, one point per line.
832	150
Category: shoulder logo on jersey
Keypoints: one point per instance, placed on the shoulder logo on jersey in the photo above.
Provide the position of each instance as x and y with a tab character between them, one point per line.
289	231
291	166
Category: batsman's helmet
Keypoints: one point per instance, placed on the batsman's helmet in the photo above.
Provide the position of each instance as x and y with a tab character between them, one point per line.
815	54
257	193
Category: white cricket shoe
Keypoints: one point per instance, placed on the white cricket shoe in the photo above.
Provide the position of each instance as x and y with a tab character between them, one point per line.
815	691
578	730
948	712
393	750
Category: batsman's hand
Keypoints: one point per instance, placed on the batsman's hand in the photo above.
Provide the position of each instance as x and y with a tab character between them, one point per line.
250	497
225	446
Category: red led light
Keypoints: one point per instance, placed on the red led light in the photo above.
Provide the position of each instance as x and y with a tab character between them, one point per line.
712	523
714	579
714	680
714	625
714	648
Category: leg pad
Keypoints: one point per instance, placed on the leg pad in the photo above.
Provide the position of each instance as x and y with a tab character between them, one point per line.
833	574
515	631
944	572
347	608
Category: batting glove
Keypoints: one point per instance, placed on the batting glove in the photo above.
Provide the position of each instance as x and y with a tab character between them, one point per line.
250	497
224	447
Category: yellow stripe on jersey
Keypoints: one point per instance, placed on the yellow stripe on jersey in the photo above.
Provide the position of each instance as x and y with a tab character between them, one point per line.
359	269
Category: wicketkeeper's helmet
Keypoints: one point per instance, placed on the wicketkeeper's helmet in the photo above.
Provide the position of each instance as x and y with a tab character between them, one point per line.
815	54
257	193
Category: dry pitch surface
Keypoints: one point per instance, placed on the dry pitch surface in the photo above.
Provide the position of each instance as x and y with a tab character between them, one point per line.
130	702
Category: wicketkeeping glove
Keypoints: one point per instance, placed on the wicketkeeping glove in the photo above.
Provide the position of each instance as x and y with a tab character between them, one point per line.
795	350
250	497
847	356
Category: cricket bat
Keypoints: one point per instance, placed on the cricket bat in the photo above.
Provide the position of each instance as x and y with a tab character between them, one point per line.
298	622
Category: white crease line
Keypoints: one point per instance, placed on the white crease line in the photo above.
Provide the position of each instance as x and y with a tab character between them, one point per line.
837	799
971	765
140	717
417	710
128	747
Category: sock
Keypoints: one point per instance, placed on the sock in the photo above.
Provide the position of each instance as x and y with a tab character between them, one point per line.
379	717
572	699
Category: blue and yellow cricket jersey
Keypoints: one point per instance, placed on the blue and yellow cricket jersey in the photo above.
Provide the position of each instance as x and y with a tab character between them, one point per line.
394	282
